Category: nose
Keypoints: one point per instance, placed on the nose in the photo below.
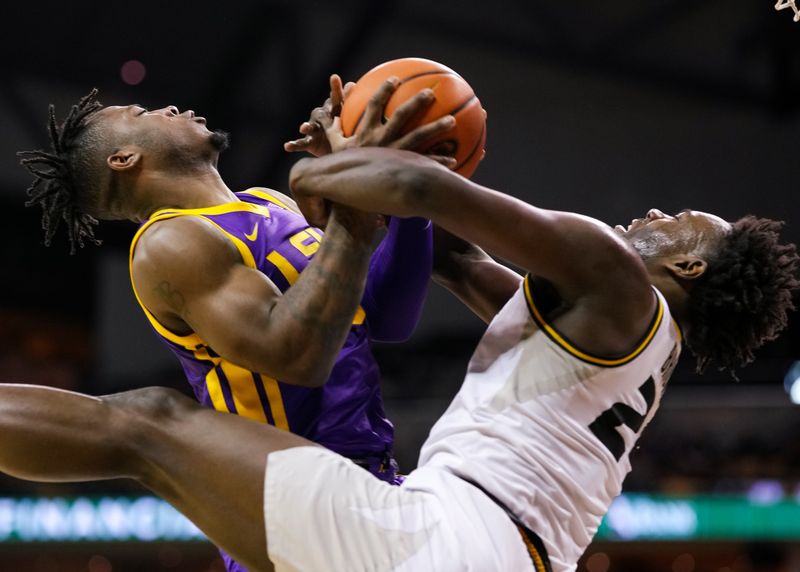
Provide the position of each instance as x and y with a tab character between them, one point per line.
654	214
172	110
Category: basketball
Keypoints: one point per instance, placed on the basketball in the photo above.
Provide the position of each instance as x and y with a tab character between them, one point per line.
454	96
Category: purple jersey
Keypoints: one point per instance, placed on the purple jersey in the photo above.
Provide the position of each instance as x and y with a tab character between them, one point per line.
346	414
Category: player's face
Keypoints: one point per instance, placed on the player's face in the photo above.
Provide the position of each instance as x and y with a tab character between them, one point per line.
162	129
689	231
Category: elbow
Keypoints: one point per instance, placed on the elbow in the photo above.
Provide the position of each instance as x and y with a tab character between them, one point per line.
287	366
444	272
298	175
451	268
412	186
309	380
310	372
303	372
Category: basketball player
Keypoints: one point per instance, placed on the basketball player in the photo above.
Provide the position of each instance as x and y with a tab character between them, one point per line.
227	279
520	469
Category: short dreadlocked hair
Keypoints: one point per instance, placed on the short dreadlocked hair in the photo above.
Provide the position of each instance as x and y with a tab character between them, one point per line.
66	183
743	298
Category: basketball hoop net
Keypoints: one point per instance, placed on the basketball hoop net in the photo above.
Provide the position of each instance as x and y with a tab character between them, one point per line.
789	4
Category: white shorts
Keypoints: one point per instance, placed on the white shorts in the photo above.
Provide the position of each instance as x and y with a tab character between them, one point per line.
324	514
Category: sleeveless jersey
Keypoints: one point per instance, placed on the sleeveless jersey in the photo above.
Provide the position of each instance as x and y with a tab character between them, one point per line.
547	428
346	414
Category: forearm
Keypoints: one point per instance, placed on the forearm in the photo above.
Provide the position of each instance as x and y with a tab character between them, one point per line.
477	280
398	279
313	317
407	185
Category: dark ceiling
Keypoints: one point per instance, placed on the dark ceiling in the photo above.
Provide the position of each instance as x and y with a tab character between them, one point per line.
257	67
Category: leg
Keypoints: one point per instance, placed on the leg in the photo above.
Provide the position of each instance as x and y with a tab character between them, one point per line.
209	465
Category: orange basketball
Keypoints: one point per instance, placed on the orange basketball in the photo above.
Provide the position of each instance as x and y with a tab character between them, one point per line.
454	96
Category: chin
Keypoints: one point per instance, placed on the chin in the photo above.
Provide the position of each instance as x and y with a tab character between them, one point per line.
220	140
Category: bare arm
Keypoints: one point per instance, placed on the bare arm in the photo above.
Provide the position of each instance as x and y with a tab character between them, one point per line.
590	266
193	279
471	275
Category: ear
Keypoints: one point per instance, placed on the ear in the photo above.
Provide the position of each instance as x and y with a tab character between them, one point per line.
124	159
687	266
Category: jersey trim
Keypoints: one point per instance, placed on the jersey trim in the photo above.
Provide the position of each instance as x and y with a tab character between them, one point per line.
192	341
571	348
264	194
533	544
238	206
290	274
535	548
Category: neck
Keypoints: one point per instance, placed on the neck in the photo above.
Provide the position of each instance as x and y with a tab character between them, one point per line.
159	190
676	296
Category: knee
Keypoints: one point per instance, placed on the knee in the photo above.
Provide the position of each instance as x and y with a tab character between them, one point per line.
145	415
151	403
143	421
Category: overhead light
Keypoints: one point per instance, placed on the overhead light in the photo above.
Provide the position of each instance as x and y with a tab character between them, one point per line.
132	72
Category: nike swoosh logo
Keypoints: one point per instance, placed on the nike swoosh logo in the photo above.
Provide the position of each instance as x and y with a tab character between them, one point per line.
252	236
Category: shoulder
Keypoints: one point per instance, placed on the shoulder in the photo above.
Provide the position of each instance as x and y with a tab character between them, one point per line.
614	293
187	245
275	197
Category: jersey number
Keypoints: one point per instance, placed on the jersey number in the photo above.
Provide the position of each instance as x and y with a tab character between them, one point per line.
605	426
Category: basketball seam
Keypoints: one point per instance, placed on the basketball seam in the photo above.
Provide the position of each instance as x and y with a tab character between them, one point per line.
421	74
409	78
474	149
463	105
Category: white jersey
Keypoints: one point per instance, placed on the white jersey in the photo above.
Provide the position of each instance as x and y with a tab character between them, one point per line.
547	428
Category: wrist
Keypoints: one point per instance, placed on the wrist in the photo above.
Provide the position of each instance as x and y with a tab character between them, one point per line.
352	228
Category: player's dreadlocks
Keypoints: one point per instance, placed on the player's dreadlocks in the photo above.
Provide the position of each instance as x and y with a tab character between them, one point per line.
60	185
743	298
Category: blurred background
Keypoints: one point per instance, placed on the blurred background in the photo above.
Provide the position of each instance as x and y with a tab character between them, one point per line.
607	109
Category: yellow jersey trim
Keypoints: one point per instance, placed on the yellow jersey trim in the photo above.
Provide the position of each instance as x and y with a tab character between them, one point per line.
244	394
263	193
286	268
290	274
244	252
562	341
275	399
538	561
213	384
239	206
189	341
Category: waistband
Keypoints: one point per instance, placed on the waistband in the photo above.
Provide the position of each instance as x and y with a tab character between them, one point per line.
534	544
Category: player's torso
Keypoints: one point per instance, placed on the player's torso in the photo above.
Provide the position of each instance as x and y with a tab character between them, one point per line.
346	414
546	428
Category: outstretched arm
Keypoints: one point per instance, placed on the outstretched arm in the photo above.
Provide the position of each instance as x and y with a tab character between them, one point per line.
193	280
591	267
471	275
398	279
